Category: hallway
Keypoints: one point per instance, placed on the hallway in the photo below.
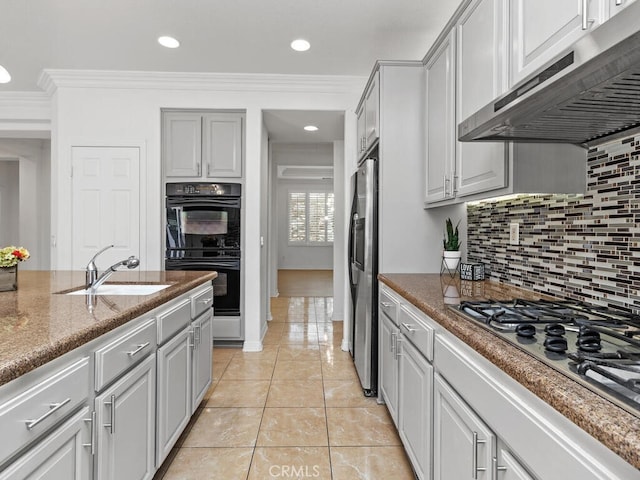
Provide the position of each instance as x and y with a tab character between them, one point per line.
294	410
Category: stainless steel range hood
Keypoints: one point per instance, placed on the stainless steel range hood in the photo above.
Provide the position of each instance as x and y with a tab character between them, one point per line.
589	93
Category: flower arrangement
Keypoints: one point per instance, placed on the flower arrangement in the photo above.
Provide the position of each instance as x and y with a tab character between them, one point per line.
10	256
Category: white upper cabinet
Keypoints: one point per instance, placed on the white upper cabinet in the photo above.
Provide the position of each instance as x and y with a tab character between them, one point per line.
202	145
544	29
440	122
368	113
481	74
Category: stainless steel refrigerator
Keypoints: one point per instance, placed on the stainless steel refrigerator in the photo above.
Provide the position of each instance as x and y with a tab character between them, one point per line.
363	272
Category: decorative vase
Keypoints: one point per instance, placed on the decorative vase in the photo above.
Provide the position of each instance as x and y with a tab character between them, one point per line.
8	278
451	259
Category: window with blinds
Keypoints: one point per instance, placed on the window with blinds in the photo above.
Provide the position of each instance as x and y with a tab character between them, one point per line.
311	218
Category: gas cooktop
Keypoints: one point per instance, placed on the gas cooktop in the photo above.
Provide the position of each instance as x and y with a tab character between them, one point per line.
598	347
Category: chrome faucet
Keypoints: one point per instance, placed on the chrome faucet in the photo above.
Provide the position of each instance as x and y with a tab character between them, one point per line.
92	279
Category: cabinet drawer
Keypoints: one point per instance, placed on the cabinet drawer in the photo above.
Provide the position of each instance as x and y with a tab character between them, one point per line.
32	412
201	301
417	331
124	352
173	320
389	305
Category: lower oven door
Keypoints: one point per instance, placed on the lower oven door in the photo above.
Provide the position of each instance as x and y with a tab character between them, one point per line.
226	287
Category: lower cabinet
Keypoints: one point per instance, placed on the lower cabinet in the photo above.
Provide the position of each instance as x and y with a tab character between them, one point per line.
174	388
125	425
414	406
65	454
388	365
202	358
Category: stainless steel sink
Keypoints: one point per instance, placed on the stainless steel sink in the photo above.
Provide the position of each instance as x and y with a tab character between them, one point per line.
121	289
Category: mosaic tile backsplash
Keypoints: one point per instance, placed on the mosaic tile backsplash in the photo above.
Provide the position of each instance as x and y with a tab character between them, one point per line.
580	247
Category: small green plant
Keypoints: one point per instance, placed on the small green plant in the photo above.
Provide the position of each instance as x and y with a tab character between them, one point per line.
451	241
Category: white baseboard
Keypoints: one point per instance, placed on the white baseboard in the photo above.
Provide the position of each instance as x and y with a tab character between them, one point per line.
252	346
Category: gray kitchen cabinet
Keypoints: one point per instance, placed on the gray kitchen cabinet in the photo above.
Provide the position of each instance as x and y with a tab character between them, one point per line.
66	453
173	391
481	76
415	385
182	144
368	114
440	121
543	30
462	442
387	351
202	145
201	357
125	425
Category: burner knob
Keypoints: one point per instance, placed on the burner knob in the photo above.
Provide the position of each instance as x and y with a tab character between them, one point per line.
525	330
555	344
554	330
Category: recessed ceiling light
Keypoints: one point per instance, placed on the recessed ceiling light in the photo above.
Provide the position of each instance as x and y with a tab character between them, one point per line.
300	45
4	75
311	128
168	42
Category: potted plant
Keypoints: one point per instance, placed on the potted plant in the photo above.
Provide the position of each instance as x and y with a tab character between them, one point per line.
451	254
9	258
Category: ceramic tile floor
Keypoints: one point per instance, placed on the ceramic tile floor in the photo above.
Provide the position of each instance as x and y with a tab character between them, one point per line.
293	411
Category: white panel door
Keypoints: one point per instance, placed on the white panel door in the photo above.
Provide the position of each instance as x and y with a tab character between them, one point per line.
105	204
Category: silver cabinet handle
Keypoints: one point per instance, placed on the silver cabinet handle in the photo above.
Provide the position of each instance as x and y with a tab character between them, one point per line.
445	183
618	3
392	346
497	468
206	301
454	187
192	338
139	348
474	462
112	426
386	304
196	334
53	408
92	443
409	327
198	169
398	343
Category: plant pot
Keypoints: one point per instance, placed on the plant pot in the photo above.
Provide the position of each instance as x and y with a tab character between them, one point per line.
8	278
451	259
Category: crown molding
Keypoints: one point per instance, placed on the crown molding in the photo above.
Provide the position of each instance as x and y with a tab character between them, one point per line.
25	111
52	79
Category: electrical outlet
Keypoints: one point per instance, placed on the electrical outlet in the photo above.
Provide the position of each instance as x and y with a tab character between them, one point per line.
514	233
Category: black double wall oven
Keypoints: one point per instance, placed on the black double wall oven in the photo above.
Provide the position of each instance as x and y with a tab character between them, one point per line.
203	233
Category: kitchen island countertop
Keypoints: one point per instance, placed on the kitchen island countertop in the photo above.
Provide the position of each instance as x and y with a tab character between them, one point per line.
38	324
614	427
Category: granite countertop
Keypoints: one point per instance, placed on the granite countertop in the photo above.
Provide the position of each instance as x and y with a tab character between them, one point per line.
38	325
616	428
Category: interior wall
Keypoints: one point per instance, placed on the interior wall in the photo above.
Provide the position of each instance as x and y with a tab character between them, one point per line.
297	257
579	247
9	202
28	190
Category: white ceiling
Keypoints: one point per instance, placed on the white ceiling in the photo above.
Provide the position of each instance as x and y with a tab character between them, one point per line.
237	36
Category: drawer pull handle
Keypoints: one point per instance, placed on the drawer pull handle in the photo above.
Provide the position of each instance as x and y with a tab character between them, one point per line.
474	460
53	408
392	346
387	304
192	339
112	426
409	327
92	421
141	347
206	301
497	468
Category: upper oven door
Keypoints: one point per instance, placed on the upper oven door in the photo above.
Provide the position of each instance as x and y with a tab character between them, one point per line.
202	227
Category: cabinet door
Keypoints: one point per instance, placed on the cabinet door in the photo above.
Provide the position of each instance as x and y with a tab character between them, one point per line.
372	111
181	144
64	454
415	399
388	365
201	372
508	467
173	392
361	129
125	424
222	145
616	6
544	29
463	444
440	148
481	76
